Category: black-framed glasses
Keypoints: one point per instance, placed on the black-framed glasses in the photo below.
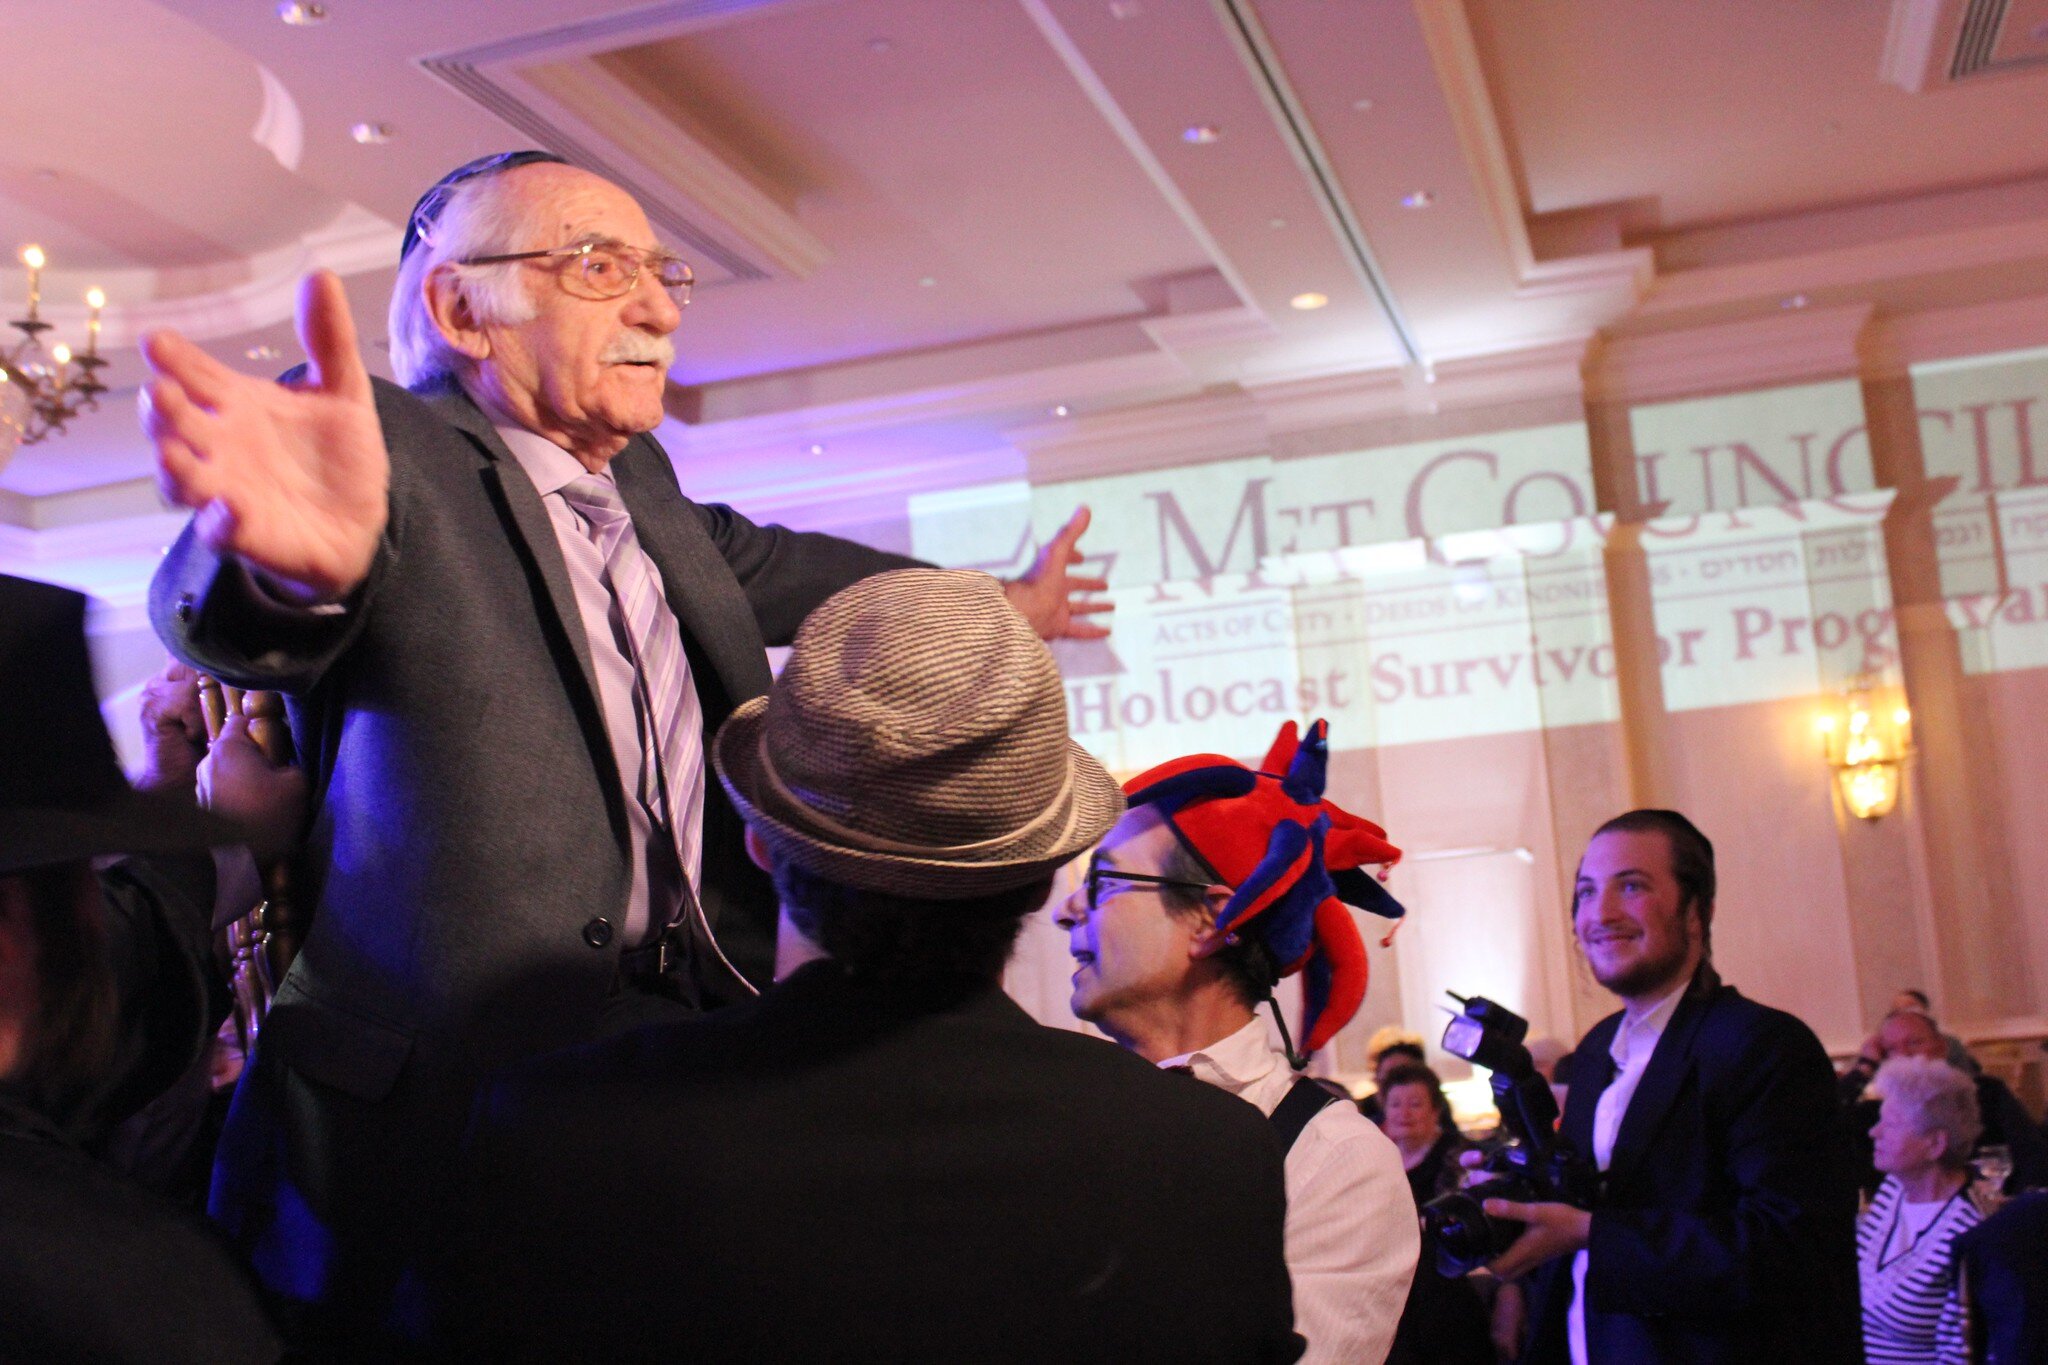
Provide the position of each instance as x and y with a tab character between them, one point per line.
609	270
1097	874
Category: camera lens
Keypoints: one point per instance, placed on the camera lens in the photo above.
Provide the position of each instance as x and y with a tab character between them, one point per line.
1464	1236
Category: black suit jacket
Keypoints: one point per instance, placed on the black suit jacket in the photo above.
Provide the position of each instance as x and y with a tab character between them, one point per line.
1726	1230
2004	1262
93	1267
835	1174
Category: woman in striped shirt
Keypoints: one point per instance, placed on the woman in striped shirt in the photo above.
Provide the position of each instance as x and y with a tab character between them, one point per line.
1912	1313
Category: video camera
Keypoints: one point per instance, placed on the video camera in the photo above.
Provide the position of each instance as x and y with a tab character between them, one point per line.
1538	1166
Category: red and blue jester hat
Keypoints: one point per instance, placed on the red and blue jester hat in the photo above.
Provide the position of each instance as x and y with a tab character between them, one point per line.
1292	860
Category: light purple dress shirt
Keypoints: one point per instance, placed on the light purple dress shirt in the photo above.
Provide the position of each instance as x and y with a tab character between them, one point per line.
656	894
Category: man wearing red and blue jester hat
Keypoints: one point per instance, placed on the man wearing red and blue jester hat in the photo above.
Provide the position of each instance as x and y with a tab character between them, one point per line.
1219	881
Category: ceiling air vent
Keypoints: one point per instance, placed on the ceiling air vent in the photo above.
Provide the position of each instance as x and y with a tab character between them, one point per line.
1934	43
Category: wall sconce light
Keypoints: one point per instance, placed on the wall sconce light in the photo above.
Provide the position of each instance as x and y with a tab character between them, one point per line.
1867	744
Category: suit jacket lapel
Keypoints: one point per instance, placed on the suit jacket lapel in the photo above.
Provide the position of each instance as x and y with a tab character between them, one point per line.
1668	1067
1592	1072
530	526
700	588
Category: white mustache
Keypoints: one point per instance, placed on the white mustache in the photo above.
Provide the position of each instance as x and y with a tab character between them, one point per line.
630	347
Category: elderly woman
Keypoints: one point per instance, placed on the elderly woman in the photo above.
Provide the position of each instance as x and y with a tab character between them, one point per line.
1445	1321
1925	1129
1418	1118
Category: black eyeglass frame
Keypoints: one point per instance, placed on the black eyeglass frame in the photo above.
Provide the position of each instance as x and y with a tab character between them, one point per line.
1097	873
639	259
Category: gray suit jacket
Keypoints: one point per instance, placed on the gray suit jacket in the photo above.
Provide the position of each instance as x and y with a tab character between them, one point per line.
469	823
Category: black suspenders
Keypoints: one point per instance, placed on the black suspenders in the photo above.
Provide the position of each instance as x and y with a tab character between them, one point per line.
1305	1099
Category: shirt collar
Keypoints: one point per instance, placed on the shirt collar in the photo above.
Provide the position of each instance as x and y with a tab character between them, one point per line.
1236	1063
1645	1027
547	464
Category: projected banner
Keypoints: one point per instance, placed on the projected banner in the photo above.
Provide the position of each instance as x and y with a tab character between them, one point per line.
1426	591
1250	591
1979	425
1769	448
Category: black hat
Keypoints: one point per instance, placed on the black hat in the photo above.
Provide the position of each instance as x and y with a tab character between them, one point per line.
427	211
62	792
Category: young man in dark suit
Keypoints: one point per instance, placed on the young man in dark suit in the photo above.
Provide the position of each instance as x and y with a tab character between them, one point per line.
882	1158
1725	1226
504	635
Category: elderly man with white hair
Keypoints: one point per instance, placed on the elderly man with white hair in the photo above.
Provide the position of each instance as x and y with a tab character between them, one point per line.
504	634
1912	1308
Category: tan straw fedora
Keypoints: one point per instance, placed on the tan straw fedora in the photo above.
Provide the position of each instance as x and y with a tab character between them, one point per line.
916	743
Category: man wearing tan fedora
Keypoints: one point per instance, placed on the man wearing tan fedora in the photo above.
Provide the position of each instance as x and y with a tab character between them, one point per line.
882	1158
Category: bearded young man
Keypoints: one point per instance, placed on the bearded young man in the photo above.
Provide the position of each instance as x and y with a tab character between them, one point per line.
1725	1228
503	634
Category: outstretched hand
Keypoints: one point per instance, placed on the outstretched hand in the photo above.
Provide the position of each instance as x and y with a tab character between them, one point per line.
1049	595
291	481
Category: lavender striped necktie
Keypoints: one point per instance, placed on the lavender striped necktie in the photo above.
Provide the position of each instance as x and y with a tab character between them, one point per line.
671	777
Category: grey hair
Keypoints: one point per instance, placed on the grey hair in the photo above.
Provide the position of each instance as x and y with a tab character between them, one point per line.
477	219
1248	964
1939	1098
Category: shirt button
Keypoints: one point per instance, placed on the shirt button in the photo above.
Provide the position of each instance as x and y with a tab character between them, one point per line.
598	932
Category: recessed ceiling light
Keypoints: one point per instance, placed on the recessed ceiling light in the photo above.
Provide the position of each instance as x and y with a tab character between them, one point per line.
1309	302
370	134
261	353
1201	134
1061	410
1276	223
1417	199
817	450
928	282
1794	301
302	13
1361	105
880	45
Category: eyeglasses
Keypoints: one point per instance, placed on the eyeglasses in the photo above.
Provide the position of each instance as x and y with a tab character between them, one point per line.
609	270
1098	875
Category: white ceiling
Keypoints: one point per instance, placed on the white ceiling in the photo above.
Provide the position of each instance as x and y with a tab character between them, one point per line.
926	223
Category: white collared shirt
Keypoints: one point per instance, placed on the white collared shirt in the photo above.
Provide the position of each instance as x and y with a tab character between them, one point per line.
1635	1042
1352	1234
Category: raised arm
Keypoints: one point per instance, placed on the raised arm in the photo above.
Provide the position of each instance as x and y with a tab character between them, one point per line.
1053	598
292	483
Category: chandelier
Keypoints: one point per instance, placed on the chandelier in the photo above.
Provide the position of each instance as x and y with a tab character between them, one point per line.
43	388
